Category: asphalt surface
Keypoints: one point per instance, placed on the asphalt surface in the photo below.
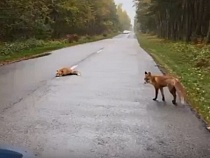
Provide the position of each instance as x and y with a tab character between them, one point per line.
107	112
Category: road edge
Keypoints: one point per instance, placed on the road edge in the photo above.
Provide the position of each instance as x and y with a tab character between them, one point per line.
45	53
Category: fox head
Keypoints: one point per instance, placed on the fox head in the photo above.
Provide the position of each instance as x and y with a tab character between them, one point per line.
147	77
59	73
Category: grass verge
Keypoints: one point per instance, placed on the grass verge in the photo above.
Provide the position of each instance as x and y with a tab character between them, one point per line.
37	50
188	62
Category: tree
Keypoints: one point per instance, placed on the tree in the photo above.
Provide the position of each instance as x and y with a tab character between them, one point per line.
47	19
175	19
124	20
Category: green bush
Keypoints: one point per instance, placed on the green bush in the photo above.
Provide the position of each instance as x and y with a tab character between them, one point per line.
16	47
199	56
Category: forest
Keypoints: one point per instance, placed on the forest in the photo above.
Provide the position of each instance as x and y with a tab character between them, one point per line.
185	20
53	19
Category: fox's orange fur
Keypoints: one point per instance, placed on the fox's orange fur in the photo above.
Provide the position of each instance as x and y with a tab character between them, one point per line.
161	81
66	71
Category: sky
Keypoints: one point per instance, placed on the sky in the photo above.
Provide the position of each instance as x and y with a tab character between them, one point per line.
128	6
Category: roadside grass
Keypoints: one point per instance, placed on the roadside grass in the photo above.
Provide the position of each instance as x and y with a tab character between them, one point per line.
12	52
190	63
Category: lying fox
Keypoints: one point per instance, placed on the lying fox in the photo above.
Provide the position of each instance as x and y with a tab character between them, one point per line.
66	71
159	82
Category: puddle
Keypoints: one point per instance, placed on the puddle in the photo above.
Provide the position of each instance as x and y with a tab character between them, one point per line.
38	56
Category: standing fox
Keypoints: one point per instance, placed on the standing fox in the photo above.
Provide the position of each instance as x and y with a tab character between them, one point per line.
159	82
66	71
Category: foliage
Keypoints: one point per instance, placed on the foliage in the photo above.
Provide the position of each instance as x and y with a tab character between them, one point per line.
187	20
17	47
54	19
124	20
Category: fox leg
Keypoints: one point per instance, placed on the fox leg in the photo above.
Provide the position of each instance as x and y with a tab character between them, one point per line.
162	93
156	94
172	90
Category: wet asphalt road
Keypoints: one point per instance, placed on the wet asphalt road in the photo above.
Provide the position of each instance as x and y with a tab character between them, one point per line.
107	112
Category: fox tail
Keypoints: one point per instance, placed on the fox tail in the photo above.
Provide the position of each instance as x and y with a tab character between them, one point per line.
180	91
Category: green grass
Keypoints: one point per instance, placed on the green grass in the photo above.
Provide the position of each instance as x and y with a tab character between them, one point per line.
46	46
29	52
188	62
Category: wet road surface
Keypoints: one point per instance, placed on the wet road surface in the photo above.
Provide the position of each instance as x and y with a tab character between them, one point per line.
108	112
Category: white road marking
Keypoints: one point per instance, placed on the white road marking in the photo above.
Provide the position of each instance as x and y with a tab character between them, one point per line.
99	51
73	67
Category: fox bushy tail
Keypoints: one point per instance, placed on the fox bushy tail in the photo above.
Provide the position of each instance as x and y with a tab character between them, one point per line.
180	91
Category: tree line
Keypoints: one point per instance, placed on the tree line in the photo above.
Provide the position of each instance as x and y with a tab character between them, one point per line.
187	20
54	19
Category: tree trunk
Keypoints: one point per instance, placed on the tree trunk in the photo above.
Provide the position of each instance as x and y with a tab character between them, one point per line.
208	34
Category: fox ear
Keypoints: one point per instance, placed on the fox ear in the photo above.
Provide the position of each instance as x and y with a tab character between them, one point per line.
145	72
149	73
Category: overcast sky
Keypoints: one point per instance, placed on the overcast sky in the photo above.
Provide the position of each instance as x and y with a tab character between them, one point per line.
128	6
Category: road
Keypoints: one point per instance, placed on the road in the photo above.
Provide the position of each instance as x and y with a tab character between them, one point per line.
107	112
